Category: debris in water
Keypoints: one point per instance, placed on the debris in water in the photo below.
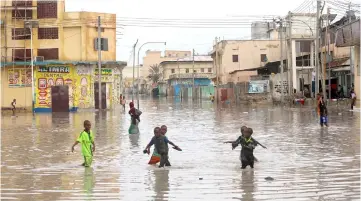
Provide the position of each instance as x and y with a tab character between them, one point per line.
200	178
340	113
245	112
269	179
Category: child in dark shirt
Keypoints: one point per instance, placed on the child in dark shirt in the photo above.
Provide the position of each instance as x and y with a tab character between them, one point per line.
160	142
248	145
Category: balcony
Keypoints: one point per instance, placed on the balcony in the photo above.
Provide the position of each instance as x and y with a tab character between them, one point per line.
190	75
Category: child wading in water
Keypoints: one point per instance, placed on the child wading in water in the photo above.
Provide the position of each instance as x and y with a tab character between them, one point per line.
248	145
86	139
160	142
155	156
322	110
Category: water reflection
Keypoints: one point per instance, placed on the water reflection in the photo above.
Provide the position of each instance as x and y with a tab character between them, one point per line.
161	184
248	185
89	182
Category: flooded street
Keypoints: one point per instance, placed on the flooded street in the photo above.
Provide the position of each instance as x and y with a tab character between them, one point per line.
307	162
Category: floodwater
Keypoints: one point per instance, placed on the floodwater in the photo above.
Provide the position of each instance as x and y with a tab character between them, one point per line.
307	162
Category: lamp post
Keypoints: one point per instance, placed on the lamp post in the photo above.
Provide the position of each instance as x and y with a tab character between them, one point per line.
165	43
32	24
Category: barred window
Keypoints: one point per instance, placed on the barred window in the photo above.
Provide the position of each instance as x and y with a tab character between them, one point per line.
21	54
20	34
49	54
27	3
48	33
47	9
22	14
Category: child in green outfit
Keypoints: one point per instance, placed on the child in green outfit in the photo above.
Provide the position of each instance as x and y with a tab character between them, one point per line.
86	139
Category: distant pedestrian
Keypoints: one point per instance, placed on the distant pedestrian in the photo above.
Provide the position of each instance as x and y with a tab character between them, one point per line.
322	110
13	104
123	102
353	99
211	97
86	139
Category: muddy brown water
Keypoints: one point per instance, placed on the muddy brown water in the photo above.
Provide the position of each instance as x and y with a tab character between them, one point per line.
306	162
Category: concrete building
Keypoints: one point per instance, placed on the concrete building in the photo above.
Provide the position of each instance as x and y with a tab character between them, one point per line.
179	74
63	46
263	31
155	58
232	56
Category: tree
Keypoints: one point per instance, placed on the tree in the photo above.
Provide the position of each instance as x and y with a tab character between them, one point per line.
154	73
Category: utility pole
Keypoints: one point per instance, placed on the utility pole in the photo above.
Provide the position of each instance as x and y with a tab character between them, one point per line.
216	68
281	57
290	63
193	78
99	65
328	60
351	56
317	88
135	44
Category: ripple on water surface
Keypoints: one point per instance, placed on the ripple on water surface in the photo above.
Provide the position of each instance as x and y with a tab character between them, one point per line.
307	162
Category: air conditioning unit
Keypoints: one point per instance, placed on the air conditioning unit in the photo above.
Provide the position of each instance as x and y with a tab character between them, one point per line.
39	59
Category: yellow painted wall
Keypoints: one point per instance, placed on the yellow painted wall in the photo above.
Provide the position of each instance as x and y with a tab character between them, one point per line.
21	94
72	43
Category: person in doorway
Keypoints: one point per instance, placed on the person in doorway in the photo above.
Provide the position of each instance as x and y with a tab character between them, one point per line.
353	99
322	110
13	105
340	92
211	97
86	139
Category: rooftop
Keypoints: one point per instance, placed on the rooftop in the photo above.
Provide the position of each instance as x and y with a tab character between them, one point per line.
198	58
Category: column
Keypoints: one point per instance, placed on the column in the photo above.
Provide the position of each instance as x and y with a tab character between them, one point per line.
293	66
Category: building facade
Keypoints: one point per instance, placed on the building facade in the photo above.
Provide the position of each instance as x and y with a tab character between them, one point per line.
230	57
188	73
63	48
155	58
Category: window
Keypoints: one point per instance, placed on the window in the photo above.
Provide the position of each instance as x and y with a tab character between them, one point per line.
22	14
48	33
187	70
263	57
235	58
186	55
209	70
194	71
47	9
103	44
173	71
169	55
22	3
202	70
49	54
21	34
101	29
21	54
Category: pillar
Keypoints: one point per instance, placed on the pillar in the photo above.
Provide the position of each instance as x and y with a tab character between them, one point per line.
293	67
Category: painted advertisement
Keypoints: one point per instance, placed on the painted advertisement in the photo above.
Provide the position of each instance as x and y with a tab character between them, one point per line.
48	76
258	86
19	77
106	76
83	84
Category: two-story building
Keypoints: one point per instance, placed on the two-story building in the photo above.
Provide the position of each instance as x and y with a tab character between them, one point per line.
62	46
180	73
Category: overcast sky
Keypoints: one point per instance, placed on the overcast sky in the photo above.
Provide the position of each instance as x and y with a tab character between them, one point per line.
183	38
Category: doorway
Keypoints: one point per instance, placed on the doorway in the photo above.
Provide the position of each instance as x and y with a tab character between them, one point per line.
60	98
103	95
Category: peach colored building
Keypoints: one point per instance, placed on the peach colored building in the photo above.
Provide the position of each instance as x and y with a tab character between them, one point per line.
232	55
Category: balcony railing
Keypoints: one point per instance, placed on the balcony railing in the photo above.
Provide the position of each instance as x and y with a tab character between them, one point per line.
190	75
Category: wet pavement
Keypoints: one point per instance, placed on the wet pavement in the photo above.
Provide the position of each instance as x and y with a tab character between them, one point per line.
307	162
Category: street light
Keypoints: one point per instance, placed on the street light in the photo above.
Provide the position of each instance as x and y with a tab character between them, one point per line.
32	24
165	43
